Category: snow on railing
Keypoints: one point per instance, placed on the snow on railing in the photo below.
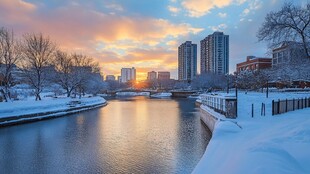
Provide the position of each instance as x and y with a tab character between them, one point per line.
223	104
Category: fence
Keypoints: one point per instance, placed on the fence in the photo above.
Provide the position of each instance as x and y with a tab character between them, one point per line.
282	106
225	105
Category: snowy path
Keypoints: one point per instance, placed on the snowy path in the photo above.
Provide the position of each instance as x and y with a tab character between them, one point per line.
265	144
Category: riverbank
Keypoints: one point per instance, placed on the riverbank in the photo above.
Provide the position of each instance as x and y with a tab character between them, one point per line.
17	112
262	144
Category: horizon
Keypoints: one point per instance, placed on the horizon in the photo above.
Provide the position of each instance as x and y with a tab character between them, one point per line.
144	35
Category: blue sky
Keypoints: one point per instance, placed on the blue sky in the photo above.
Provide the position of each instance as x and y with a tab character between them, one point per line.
142	34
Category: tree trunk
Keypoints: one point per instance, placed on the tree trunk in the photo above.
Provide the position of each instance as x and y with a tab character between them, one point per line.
68	92
38	97
305	44
4	95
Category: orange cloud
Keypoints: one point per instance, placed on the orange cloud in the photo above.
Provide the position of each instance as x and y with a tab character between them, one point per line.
157	59
115	41
16	10
197	8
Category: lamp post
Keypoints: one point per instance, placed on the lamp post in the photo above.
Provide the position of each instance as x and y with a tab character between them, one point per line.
267	91
227	78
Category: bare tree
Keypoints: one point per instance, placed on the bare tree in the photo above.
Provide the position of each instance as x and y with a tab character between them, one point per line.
9	55
82	71
291	23
64	75
37	52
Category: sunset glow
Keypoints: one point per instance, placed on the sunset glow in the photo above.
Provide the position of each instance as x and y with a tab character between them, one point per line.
144	35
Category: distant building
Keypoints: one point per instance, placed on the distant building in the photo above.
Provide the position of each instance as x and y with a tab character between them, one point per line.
214	53
128	74
163	75
119	79
254	63
187	61
288	52
152	75
110	77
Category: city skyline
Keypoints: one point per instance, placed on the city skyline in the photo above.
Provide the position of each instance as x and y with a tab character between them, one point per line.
125	34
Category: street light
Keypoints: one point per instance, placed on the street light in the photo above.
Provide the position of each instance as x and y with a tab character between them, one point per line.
227	78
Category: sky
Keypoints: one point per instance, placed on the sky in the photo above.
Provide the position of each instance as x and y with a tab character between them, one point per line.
144	34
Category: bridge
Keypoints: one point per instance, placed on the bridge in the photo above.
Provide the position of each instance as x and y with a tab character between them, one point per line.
175	93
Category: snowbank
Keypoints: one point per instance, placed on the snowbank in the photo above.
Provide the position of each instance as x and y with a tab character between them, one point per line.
133	93
263	144
22	111
162	95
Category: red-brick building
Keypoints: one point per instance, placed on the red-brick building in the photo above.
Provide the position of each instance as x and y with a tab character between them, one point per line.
254	63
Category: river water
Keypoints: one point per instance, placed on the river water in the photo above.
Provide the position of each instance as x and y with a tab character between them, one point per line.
129	135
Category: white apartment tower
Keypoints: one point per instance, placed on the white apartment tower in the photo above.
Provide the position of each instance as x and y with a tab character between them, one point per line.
128	74
187	61
214	53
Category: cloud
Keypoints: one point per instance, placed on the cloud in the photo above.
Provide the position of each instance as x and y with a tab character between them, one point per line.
222	15
245	12
198	8
116	7
255	4
173	10
115	41
16	10
220	27
143	60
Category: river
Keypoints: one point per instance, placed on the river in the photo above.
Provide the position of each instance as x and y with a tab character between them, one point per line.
129	135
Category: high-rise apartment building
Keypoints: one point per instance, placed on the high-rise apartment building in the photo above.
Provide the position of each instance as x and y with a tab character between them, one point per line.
163	75
214	53
152	75
128	74
187	61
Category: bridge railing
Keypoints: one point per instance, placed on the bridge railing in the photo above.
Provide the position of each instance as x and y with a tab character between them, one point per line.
225	105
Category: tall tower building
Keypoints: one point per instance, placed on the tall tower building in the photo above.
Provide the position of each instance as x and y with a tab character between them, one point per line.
214	53
128	74
152	75
187	61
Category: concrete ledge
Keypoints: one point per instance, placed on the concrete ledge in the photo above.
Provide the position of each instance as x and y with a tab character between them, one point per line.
208	119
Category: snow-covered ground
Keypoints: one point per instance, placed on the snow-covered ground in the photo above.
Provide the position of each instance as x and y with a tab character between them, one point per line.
133	93
162	95
264	144
48	104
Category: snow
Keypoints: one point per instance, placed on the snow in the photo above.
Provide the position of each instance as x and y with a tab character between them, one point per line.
48	104
162	95
263	144
133	93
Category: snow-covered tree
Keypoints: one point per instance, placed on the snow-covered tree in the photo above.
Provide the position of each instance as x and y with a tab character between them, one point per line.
209	81
291	23
95	84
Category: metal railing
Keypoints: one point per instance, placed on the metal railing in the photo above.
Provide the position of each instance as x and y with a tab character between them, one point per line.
225	105
283	106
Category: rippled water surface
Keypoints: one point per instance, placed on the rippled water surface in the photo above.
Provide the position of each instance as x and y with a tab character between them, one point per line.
129	135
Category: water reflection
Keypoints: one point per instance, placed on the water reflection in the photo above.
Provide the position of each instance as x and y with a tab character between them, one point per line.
139	135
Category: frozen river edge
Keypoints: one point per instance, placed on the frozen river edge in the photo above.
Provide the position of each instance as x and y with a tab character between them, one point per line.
58	108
